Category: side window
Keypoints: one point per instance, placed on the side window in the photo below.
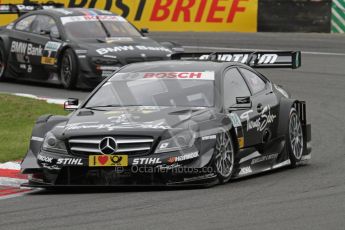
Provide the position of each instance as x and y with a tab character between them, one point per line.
254	81
47	23
234	86
25	23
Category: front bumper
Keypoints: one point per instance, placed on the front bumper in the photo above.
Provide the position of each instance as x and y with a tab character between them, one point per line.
165	169
111	178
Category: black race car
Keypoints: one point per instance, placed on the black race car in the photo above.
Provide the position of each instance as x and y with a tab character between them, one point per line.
73	47
174	122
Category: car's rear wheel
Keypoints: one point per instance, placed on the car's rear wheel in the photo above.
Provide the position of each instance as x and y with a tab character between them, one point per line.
224	157
69	69
2	63
295	138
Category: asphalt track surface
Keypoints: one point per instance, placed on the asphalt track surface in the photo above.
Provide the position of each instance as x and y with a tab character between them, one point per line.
307	197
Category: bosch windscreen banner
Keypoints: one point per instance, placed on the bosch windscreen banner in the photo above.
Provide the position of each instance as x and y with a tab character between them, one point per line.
170	15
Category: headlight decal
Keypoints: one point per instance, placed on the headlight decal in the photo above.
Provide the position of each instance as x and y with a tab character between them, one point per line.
52	144
179	141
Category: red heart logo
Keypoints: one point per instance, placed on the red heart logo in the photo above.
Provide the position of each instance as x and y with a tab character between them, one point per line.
171	160
103	159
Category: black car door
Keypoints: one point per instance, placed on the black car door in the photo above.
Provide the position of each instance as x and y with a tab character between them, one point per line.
20	56
262	118
44	36
234	86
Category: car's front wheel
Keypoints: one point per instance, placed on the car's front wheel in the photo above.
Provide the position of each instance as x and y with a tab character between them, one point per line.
69	69
295	144
2	62
224	157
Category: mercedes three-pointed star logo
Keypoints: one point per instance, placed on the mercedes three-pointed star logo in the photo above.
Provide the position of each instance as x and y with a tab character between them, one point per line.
108	145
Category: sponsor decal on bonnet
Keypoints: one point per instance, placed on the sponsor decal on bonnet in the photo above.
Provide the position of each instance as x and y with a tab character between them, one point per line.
209	75
89	18
103	51
112	127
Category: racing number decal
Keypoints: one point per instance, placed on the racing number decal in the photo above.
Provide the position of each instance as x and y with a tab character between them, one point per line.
236	122
108	160
50	53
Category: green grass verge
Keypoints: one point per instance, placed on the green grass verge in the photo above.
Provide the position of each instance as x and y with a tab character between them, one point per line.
17	118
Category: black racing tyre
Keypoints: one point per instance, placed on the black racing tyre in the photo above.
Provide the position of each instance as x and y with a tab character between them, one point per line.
2	62
68	69
224	157
295	138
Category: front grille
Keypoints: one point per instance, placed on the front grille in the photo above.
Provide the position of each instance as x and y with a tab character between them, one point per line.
133	146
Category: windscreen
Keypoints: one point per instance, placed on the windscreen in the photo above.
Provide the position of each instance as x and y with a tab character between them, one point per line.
177	89
98	27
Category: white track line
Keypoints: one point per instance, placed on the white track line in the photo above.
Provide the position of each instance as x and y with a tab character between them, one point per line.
240	49
48	100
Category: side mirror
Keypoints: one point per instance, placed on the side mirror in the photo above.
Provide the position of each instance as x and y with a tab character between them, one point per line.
71	104
51	34
242	103
144	30
243	100
45	32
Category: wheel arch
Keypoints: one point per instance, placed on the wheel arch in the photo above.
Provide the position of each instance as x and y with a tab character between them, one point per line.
61	53
59	62
234	139
5	41
5	47
44	124
284	112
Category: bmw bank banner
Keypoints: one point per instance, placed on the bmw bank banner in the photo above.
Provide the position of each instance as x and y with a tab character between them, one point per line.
169	15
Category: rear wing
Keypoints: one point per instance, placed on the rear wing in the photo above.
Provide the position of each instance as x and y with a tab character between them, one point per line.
259	59
21	9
